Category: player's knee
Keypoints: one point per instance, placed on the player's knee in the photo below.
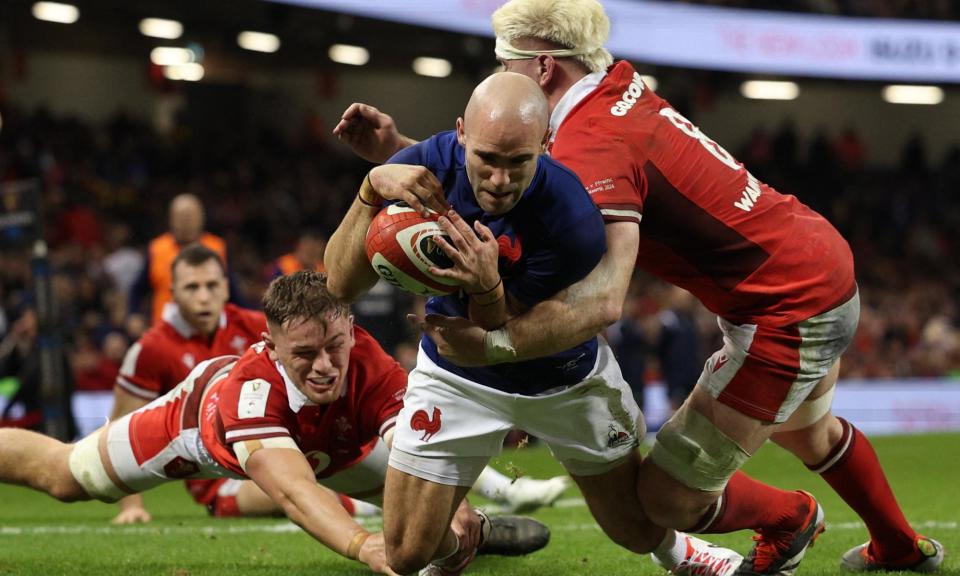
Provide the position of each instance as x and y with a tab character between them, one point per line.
65	488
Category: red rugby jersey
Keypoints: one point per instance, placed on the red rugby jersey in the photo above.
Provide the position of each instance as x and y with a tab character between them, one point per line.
333	437
748	252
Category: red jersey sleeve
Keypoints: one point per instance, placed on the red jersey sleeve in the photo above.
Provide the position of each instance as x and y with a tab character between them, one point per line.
253	403
145	371
596	154
379	383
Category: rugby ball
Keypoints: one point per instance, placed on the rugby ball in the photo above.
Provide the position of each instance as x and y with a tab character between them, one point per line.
401	247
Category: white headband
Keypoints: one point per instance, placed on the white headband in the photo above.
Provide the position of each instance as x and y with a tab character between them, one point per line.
506	51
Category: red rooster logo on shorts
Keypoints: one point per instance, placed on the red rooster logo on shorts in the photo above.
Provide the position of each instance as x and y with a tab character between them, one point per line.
430	425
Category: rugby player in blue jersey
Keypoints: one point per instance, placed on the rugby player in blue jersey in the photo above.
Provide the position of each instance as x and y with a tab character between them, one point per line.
522	228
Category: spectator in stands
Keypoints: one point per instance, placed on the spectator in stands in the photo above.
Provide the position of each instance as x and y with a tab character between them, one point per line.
186	226
123	263
306	255
20	359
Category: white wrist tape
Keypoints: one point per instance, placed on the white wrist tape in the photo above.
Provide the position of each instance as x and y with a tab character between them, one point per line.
498	347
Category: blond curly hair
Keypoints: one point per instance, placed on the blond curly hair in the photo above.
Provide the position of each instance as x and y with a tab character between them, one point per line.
581	25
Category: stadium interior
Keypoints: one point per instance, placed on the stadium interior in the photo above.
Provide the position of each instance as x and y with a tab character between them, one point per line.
100	132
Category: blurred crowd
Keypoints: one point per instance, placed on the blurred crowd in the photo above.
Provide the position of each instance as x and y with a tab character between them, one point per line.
107	191
925	9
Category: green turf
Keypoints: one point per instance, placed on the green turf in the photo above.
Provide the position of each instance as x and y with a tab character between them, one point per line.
39	536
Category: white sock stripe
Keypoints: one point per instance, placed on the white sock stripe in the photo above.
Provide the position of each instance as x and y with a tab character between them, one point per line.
846	446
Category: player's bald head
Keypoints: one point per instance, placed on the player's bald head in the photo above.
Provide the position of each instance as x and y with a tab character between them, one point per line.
504	130
510	100
186	218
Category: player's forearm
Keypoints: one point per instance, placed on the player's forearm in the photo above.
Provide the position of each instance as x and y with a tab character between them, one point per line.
319	513
391	145
584	309
401	143
349	273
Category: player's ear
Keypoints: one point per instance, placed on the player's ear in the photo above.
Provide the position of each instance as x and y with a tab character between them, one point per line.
460	131
271	345
353	338
545	143
545	69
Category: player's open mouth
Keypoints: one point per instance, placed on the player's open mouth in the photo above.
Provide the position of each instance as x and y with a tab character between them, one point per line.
321	384
499	195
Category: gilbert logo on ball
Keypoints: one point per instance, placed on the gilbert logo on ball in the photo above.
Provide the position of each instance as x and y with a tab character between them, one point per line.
401	246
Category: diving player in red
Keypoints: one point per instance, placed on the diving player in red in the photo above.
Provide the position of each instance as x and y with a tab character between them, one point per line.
199	325
315	400
777	274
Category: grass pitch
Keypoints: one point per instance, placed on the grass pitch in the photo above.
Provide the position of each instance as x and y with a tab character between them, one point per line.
39	536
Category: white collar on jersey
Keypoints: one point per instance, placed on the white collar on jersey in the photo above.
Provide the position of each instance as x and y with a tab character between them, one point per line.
573	96
295	398
172	316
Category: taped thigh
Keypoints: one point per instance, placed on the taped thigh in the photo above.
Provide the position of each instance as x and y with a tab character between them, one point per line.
692	450
89	471
809	412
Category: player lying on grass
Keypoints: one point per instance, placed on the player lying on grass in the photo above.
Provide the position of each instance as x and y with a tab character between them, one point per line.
777	274
199	325
318	398
492	172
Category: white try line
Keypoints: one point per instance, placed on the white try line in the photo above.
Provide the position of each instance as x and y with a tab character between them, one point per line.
373	522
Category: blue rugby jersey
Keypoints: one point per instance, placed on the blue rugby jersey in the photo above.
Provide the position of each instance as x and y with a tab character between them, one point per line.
553	237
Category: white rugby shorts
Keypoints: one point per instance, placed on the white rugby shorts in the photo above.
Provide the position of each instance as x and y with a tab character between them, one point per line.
115	461
450	427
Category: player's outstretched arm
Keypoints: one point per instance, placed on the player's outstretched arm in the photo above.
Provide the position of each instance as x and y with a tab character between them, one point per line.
572	316
371	134
285	475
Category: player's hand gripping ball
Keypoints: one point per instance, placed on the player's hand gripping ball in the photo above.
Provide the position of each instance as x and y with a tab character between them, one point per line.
401	248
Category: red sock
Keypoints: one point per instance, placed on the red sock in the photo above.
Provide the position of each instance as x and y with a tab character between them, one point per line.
854	472
749	504
225	507
347	504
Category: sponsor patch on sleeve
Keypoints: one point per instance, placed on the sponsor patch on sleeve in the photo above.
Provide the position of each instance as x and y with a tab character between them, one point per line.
253	399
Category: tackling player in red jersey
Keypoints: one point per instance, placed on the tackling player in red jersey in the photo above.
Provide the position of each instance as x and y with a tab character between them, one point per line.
316	400
198	325
777	274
